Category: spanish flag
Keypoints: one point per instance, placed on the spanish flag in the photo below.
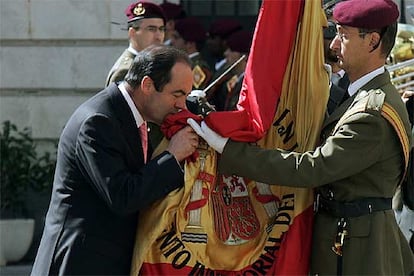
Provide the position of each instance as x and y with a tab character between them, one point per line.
229	225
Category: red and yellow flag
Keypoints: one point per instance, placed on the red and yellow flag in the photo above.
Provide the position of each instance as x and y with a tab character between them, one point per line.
230	225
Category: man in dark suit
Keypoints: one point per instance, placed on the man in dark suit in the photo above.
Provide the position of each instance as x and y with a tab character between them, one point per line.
362	158
102	180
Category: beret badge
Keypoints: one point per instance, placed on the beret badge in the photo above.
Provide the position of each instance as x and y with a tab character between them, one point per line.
139	10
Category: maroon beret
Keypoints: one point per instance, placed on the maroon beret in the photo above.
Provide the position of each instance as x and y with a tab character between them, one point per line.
366	14
240	41
173	11
224	27
190	29
143	9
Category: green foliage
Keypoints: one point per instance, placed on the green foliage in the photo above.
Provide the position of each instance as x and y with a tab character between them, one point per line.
21	169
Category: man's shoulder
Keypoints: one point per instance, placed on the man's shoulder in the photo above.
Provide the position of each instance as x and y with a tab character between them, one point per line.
379	97
120	68
125	60
375	100
381	103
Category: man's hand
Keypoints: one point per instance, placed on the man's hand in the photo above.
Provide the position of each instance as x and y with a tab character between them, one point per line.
183	143
214	140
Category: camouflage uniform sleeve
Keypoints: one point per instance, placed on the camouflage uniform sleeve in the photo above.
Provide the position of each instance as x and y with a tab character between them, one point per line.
120	68
117	75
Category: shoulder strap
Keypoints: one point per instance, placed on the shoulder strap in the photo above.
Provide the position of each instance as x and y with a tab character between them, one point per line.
389	113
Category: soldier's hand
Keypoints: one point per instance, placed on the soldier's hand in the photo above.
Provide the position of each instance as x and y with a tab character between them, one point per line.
214	140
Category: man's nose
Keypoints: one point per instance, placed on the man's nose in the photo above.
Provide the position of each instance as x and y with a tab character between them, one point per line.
160	35
334	45
181	103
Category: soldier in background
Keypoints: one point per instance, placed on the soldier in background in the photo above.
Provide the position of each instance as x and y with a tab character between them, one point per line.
190	36
216	44
173	12
226	96
218	33
146	26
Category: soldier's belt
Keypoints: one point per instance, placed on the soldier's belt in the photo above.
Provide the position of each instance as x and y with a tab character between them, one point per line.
354	208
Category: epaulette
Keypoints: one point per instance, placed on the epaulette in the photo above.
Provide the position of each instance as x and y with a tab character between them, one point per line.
375	101
127	61
366	101
198	76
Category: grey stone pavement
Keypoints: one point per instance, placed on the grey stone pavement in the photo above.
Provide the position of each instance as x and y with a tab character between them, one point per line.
16	270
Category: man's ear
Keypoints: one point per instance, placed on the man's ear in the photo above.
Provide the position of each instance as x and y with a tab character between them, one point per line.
131	32
375	39
147	85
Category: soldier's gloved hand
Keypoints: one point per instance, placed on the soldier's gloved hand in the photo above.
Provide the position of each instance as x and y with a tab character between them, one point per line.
213	139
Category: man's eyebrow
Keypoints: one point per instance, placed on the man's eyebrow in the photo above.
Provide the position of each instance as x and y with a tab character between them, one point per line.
180	91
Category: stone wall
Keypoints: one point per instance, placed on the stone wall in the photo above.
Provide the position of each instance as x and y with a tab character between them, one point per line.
54	54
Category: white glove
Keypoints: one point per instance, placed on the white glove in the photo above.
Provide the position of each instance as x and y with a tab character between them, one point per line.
214	140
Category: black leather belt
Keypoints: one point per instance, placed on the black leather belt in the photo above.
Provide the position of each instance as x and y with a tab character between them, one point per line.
354	208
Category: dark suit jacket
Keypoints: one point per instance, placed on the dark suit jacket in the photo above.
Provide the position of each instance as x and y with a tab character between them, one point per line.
100	185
